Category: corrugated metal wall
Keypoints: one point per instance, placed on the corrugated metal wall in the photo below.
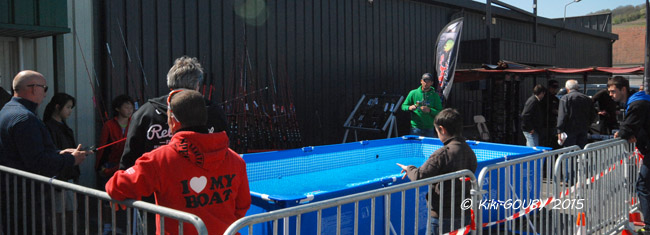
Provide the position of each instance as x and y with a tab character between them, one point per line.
329	52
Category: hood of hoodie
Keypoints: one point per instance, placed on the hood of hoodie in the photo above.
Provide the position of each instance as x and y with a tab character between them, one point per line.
641	95
160	104
207	151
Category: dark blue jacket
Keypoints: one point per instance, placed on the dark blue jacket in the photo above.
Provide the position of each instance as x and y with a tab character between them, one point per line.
637	122
25	142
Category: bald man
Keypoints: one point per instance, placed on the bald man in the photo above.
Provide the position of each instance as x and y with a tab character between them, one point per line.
25	143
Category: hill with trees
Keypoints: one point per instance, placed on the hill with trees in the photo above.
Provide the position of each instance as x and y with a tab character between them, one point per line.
624	14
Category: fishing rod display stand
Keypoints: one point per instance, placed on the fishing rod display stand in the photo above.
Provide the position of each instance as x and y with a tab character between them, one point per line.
374	113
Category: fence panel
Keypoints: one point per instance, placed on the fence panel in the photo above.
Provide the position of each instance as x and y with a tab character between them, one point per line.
595	185
34	204
511	189
389	218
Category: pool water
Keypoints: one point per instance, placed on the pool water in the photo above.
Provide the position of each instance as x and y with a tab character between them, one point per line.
333	179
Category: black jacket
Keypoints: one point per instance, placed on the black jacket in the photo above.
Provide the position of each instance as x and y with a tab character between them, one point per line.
148	128
532	116
637	123
455	155
549	106
63	138
576	113
605	103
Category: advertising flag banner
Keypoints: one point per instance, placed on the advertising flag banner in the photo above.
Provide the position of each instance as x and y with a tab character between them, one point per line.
446	55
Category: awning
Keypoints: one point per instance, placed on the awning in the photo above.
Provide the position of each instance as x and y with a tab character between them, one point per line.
31	31
468	75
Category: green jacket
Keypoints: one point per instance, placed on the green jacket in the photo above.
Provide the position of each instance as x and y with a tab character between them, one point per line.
420	119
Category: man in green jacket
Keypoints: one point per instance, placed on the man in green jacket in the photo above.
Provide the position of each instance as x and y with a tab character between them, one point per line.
424	104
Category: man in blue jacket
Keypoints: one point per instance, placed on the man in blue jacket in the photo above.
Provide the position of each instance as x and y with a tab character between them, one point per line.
25	143
635	128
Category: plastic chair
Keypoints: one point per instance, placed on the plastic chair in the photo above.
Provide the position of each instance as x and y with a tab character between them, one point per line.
482	127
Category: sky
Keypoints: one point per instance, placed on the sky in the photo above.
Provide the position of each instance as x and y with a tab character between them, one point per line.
555	8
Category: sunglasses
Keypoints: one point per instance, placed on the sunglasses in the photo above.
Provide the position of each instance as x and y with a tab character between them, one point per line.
43	86
169	100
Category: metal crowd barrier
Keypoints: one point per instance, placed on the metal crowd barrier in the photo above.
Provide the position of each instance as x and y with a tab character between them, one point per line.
554	188
527	180
295	213
633	167
597	183
34	204
596	188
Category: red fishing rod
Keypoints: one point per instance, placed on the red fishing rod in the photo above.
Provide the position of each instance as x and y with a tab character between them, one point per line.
108	145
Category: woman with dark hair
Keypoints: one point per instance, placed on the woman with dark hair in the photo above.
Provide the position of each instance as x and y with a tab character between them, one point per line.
108	159
56	112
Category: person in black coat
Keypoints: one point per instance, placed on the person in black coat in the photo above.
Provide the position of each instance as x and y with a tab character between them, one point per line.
550	104
532	116
606	112
575	115
148	128
56	112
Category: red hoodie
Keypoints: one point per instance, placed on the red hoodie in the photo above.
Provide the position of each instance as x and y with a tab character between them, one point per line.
196	173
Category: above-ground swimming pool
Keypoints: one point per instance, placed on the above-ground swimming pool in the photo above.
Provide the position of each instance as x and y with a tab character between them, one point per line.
287	178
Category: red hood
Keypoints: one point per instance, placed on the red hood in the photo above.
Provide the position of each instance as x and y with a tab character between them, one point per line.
204	150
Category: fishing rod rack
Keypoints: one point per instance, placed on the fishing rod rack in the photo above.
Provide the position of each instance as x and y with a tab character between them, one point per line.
374	113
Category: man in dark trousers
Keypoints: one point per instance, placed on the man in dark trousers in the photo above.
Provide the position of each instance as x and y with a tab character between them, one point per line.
575	115
455	155
532	116
634	128
148	128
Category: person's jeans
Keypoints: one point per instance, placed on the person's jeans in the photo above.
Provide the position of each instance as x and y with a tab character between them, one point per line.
423	132
532	140
434	226
643	192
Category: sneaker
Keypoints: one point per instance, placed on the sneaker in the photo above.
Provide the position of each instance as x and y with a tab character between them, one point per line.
107	230
643	231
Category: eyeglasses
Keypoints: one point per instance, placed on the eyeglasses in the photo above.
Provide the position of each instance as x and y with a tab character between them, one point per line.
169	97
38	85
169	100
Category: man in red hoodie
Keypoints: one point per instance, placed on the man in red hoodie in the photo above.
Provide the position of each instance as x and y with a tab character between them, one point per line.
196	172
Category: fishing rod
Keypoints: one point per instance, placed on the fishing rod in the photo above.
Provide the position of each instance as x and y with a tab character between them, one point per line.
107	145
243	96
128	55
92	86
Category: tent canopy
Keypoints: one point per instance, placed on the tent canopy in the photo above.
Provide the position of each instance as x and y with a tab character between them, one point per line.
468	75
